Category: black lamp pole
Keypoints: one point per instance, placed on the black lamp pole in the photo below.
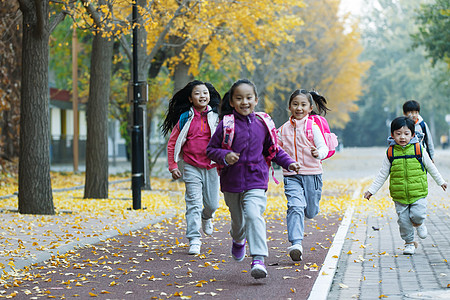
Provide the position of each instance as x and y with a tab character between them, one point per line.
137	139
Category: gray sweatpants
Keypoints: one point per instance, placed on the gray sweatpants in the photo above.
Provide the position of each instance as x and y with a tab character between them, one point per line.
247	221
408	214
202	198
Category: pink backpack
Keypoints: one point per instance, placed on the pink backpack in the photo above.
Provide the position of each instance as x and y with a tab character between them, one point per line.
330	138
228	135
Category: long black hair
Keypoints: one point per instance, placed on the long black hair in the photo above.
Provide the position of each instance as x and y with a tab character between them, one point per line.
225	107
321	102
180	103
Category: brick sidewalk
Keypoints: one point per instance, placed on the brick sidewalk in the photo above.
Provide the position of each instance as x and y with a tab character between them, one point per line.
377	268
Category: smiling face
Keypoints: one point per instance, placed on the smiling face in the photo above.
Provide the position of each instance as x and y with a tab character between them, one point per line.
402	136
300	106
200	97
244	99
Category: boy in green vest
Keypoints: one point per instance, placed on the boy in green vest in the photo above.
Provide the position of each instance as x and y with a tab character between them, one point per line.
407	166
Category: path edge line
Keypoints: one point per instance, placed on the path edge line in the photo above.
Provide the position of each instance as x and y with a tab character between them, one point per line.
324	280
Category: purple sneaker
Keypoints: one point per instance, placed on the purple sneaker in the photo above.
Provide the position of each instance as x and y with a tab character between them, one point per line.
258	269
238	251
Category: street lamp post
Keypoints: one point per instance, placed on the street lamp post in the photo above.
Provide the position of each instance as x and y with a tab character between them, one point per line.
138	95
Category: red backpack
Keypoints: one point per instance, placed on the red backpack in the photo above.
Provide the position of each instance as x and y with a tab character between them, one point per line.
228	135
330	138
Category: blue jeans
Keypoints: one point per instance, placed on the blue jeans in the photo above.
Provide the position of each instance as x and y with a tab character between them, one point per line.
303	193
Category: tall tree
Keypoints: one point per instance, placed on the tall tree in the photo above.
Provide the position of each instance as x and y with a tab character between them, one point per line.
35	192
96	183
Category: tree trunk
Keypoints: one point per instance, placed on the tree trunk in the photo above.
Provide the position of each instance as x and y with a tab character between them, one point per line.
96	185
181	77
35	191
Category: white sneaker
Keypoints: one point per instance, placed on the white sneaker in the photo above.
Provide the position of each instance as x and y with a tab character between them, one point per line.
207	226
194	249
422	231
295	252
410	248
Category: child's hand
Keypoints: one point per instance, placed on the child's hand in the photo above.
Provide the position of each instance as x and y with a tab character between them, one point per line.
367	195
176	173
314	152
444	186
232	158
294	167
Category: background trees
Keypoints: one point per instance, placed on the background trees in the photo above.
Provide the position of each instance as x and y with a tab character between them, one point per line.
398	73
280	45
321	55
434	21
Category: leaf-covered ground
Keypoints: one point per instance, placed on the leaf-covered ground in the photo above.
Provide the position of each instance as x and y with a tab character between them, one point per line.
76	218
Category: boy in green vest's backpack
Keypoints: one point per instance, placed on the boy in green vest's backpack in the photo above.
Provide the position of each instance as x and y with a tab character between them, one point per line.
407	164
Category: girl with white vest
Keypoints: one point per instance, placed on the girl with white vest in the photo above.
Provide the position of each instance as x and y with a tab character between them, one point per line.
192	117
303	190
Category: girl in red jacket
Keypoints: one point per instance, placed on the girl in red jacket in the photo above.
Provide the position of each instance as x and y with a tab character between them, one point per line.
192	116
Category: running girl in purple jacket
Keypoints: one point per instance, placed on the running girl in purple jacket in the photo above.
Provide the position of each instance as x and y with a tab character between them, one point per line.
244	171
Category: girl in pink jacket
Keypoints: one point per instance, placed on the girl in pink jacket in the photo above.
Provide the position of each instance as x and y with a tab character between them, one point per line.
303	190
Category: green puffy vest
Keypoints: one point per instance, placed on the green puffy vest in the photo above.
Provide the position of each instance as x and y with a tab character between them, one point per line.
408	178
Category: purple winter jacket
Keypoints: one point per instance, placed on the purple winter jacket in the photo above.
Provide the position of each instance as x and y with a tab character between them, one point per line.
251	140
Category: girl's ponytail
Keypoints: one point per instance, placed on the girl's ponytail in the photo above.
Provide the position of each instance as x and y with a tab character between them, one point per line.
321	103
214	97
225	107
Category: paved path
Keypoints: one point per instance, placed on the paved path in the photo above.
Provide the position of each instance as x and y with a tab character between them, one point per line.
152	263
363	262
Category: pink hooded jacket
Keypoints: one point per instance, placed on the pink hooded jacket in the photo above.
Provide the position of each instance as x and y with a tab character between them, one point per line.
292	139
